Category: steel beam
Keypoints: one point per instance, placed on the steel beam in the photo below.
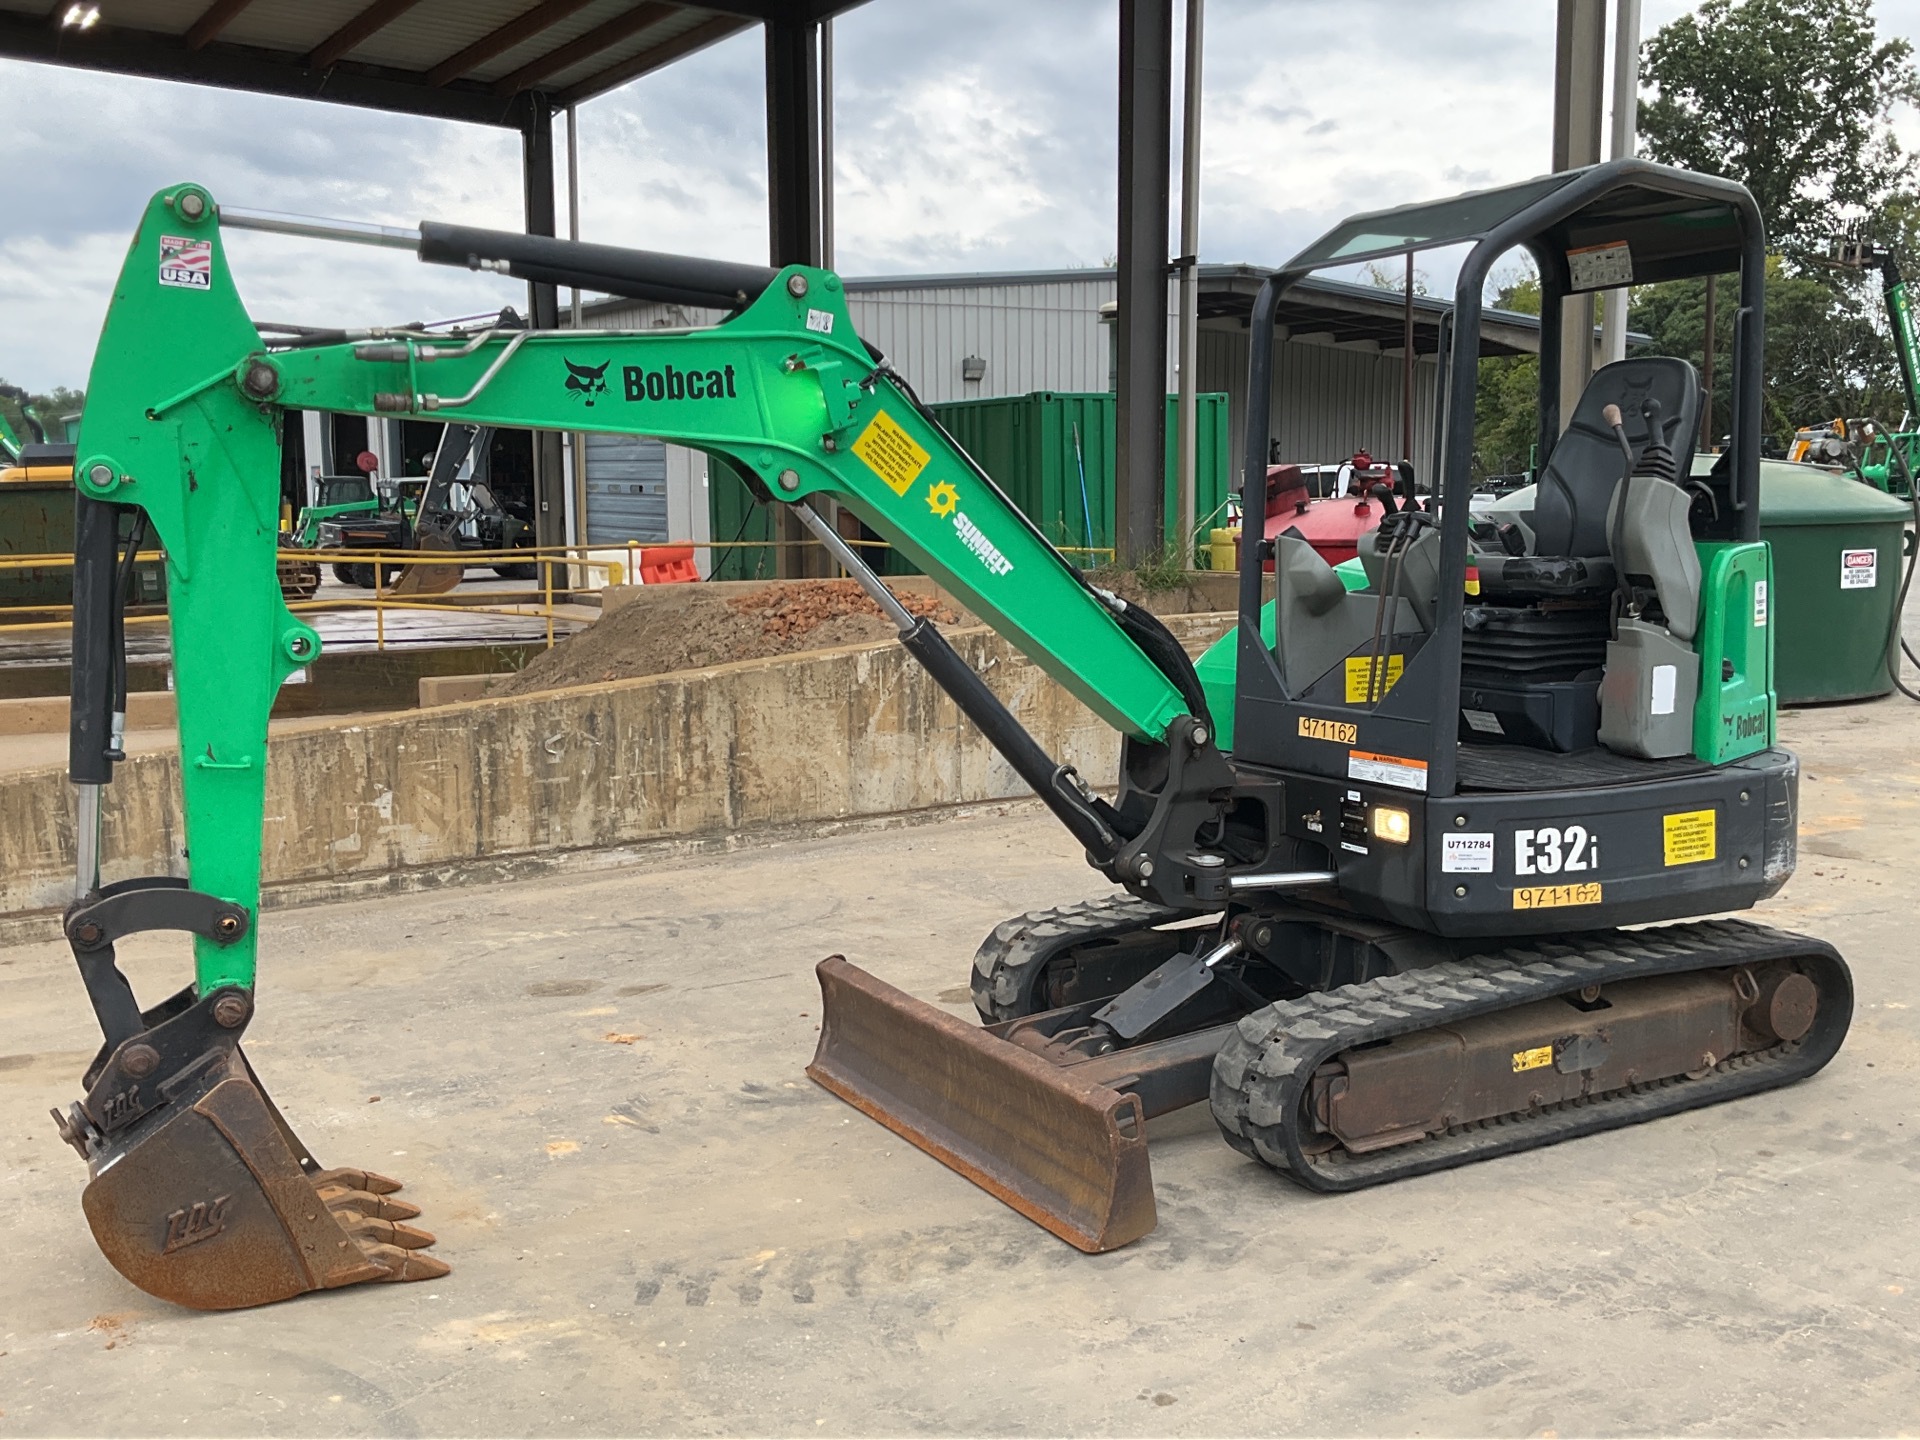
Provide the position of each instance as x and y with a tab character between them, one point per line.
497	42
215	18
1146	137
1626	116
369	22
793	199
543	303
793	141
129	51
1579	75
708	32
621	27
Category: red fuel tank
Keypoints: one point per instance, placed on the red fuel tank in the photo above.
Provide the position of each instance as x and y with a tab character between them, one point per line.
1334	523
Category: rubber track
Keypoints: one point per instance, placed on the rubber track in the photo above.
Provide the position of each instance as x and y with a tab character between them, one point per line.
1261	1073
1021	947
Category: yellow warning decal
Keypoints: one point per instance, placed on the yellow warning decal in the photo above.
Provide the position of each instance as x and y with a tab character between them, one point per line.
1689	836
891	453
1537	1058
1338	731
1552	897
1360	671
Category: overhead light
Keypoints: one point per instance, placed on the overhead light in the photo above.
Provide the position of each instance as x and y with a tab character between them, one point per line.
80	17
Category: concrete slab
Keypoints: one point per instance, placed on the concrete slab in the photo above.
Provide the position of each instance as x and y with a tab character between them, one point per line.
658	1225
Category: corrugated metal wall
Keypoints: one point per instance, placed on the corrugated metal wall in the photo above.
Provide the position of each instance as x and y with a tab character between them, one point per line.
626	490
1033	336
1327	401
1045	334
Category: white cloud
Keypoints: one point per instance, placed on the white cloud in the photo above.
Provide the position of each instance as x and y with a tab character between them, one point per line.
973	135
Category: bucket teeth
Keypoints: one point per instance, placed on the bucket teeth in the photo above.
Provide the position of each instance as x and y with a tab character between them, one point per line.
377	1207
215	1204
369	1232
370	1181
402	1264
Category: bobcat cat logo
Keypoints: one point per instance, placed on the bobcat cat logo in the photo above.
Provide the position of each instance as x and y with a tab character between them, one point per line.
586	381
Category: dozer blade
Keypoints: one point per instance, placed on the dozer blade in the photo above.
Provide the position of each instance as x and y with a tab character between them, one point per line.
1063	1150
424	578
212	1203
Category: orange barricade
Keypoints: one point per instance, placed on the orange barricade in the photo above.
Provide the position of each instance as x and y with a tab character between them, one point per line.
667	565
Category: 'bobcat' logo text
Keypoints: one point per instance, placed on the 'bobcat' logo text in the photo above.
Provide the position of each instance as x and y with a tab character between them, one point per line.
670	382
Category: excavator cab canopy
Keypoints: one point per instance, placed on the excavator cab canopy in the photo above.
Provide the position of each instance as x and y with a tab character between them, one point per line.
1624	222
1672	231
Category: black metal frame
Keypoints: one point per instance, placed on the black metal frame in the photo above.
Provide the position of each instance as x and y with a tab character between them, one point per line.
1417	717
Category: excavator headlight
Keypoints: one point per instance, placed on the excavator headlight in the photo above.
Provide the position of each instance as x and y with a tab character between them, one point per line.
1392	824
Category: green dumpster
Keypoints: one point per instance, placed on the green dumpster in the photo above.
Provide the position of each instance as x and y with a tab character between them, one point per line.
1838	553
1027	443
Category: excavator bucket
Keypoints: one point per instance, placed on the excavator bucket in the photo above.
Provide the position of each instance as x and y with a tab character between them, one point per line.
425	577
1065	1151
211	1202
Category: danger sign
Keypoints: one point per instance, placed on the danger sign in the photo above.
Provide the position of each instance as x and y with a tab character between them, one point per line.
1859	569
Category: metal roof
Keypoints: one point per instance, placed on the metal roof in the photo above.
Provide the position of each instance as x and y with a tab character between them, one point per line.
1317	306
483	61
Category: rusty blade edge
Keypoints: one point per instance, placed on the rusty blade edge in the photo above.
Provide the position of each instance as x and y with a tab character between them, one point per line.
1130	1205
1049	1220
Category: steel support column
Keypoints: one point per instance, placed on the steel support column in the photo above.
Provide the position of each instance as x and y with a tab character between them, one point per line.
1579	90
793	201
1146	138
543	307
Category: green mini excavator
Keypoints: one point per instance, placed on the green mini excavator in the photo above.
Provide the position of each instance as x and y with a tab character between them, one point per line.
1377	849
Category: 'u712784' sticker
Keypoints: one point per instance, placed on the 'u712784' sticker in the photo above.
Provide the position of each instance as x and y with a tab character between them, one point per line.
1464	854
186	264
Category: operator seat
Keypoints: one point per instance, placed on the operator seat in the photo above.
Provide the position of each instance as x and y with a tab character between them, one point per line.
1568	549
1535	644
1570	508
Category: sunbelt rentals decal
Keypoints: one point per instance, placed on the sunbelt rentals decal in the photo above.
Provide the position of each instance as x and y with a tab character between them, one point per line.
943	499
899	460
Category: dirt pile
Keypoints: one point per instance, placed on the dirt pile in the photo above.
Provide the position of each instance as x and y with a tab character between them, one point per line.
688	627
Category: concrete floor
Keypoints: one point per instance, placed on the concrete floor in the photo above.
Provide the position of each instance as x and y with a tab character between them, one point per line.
658	1225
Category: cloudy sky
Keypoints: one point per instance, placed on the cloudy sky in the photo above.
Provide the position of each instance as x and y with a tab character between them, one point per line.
973	135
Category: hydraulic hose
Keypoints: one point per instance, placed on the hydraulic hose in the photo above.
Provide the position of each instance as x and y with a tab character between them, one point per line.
1896	635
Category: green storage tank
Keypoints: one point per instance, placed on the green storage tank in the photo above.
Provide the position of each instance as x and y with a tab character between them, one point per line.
1027	444
1838	551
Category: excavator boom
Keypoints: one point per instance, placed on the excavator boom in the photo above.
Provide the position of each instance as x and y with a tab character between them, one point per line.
182	429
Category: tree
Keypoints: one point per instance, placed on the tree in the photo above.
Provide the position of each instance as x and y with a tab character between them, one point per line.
1793	98
1506	405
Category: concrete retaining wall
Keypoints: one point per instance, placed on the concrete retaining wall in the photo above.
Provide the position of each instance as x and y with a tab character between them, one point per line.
818	737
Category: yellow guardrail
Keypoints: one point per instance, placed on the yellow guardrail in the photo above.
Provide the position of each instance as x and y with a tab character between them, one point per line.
538	604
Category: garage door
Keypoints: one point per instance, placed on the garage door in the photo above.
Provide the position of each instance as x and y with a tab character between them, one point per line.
626	490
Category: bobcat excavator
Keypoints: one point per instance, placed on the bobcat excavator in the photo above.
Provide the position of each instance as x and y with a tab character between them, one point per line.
1378	847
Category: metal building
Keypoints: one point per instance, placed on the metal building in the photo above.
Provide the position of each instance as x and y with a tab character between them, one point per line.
1338	374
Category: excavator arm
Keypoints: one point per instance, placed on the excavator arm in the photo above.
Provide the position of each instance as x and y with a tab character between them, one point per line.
200	1192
